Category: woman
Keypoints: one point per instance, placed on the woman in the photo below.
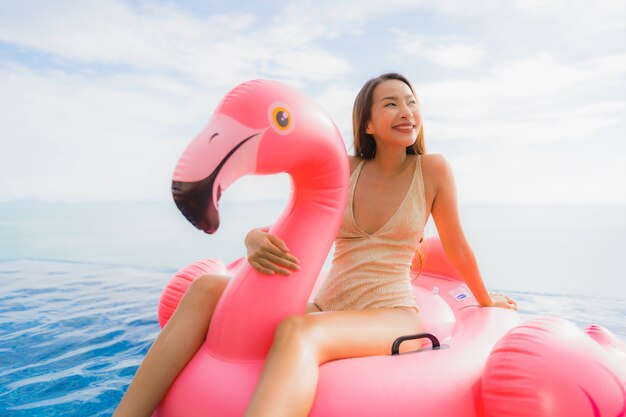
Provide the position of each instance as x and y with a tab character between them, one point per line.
367	300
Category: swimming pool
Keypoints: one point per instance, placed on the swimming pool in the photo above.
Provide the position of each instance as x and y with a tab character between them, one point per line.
72	334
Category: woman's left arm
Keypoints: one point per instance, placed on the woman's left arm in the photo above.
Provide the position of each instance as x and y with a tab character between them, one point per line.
446	216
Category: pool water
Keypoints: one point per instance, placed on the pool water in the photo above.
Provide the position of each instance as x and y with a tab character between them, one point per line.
72	334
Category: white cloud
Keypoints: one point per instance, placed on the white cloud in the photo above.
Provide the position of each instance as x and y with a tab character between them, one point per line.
135	82
583	172
337	100
610	13
213	50
526	89
533	129
447	51
136	86
68	137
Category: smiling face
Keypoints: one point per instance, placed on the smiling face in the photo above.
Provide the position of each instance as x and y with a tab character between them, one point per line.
395	117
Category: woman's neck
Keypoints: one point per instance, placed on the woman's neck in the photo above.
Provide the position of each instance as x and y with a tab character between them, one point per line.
389	162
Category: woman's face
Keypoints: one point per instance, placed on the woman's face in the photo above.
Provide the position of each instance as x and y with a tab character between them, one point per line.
395	118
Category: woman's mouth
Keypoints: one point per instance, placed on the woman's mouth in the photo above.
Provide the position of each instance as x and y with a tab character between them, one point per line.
404	128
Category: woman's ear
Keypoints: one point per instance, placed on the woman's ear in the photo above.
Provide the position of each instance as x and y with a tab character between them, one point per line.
368	128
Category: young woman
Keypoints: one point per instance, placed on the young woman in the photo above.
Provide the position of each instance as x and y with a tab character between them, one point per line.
367	299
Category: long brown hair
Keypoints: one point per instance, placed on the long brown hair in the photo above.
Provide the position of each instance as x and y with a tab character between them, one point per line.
364	144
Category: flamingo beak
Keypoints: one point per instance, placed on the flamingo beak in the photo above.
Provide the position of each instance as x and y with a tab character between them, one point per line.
198	200
194	200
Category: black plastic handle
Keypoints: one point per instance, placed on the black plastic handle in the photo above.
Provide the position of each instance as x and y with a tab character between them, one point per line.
395	348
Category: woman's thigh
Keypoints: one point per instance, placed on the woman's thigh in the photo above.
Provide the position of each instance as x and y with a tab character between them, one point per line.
348	334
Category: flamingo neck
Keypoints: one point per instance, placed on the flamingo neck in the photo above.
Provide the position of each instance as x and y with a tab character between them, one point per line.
253	304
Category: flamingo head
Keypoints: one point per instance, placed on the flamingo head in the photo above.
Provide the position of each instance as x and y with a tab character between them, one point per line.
260	127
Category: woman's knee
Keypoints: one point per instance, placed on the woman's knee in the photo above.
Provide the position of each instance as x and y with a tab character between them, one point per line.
209	285
297	331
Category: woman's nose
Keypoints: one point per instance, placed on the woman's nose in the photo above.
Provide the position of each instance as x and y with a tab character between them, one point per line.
405	111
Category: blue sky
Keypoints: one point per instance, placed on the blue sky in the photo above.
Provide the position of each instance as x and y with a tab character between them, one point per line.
526	99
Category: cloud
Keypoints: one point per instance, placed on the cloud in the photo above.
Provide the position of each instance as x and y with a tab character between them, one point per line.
533	129
213	50
609	13
337	100
124	88
530	89
103	97
67	136
447	51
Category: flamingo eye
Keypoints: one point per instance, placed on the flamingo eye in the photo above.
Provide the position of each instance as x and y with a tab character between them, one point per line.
280	118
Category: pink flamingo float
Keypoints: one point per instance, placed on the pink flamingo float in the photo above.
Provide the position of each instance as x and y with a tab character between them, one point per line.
482	362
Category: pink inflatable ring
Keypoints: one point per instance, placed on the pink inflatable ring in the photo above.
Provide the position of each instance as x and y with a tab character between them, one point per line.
264	127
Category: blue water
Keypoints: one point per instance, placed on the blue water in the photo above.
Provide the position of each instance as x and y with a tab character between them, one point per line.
72	335
75	323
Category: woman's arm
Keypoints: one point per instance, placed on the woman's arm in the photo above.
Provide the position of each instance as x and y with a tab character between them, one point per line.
446	216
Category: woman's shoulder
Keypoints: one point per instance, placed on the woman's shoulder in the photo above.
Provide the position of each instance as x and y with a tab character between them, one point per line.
434	161
435	166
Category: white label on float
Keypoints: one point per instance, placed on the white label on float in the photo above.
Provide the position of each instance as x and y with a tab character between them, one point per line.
459	293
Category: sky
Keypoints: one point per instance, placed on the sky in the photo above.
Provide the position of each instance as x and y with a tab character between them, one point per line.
526	99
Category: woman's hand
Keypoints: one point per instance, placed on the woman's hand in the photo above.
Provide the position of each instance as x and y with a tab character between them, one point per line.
268	253
502	301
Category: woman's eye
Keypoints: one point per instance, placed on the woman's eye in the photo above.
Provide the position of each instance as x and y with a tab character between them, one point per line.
390	104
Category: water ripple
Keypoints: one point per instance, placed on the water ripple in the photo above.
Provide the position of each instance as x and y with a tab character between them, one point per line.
73	334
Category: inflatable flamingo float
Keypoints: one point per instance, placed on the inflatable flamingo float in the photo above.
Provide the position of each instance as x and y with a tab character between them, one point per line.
483	361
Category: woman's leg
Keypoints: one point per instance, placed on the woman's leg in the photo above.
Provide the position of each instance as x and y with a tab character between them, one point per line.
303	342
173	348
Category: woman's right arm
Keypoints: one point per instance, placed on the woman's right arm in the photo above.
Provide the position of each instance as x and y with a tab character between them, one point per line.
268	253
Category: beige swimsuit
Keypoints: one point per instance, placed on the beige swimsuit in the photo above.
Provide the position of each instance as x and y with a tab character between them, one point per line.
372	270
